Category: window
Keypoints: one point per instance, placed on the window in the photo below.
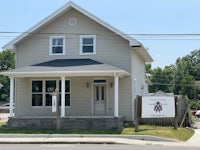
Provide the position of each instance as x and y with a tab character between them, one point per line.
50	88
37	93
57	45
100	81
87	44
41	92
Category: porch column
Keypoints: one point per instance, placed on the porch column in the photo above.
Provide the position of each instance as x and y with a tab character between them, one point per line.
11	96
116	96
62	96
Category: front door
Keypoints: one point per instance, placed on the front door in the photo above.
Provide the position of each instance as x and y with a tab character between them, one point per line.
100	99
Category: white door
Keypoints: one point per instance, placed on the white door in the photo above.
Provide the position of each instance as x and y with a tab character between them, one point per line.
100	99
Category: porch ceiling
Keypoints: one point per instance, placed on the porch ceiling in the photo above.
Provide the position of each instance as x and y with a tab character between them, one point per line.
66	67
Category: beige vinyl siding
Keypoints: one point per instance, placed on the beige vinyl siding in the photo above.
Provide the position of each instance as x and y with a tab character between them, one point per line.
80	97
21	97
137	76
110	48
125	98
110	96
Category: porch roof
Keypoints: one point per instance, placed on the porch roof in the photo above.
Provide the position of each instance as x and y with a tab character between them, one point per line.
66	67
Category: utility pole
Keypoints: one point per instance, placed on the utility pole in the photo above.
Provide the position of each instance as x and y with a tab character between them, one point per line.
55	107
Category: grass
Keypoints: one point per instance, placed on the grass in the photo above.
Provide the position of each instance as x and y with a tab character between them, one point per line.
180	134
167	132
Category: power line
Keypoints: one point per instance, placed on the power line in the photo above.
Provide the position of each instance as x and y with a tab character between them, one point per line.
168	84
103	38
141	36
131	34
137	34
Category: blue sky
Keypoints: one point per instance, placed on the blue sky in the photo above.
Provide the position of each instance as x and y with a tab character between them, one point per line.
130	16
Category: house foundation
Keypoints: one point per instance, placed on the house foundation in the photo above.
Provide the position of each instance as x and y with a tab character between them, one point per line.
70	122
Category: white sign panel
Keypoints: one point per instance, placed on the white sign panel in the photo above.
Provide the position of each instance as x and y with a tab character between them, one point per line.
54	103
158	107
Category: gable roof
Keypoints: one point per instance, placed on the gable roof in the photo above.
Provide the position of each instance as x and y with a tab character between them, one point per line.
64	9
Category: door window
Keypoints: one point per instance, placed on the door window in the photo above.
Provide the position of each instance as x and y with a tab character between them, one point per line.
97	93
100	92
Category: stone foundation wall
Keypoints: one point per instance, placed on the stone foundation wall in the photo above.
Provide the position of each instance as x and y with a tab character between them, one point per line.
68	122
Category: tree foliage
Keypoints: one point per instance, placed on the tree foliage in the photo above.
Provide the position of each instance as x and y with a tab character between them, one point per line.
7	62
178	78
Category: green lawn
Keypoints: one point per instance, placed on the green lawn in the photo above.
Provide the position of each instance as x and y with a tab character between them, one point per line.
167	132
180	134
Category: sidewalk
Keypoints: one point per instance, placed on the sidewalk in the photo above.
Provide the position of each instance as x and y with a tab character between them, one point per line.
95	139
194	141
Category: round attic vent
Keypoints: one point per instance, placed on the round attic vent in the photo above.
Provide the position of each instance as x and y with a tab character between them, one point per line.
72	21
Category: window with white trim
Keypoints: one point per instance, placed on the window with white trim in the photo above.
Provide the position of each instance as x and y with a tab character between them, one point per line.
57	45
41	90
37	93
87	44
50	86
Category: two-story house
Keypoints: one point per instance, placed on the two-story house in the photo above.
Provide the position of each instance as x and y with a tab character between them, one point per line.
97	69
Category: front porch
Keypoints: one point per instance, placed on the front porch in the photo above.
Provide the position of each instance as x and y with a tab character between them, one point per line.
87	90
69	122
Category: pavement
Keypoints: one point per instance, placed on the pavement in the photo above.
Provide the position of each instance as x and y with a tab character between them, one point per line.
96	139
194	141
197	123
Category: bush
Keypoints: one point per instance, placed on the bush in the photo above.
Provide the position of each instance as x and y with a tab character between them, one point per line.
4	96
195	104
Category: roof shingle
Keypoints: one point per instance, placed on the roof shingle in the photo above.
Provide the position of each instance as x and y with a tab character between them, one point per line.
68	63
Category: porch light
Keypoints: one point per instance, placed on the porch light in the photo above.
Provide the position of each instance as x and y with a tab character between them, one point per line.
87	85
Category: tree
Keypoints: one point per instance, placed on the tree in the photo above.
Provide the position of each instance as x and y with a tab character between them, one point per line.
178	78
187	87
7	62
186	72
160	78
148	69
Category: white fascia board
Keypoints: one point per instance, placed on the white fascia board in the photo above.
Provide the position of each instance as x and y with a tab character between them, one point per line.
57	13
143	53
121	73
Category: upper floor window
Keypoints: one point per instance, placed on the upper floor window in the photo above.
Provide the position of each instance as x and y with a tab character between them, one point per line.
57	45
87	44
